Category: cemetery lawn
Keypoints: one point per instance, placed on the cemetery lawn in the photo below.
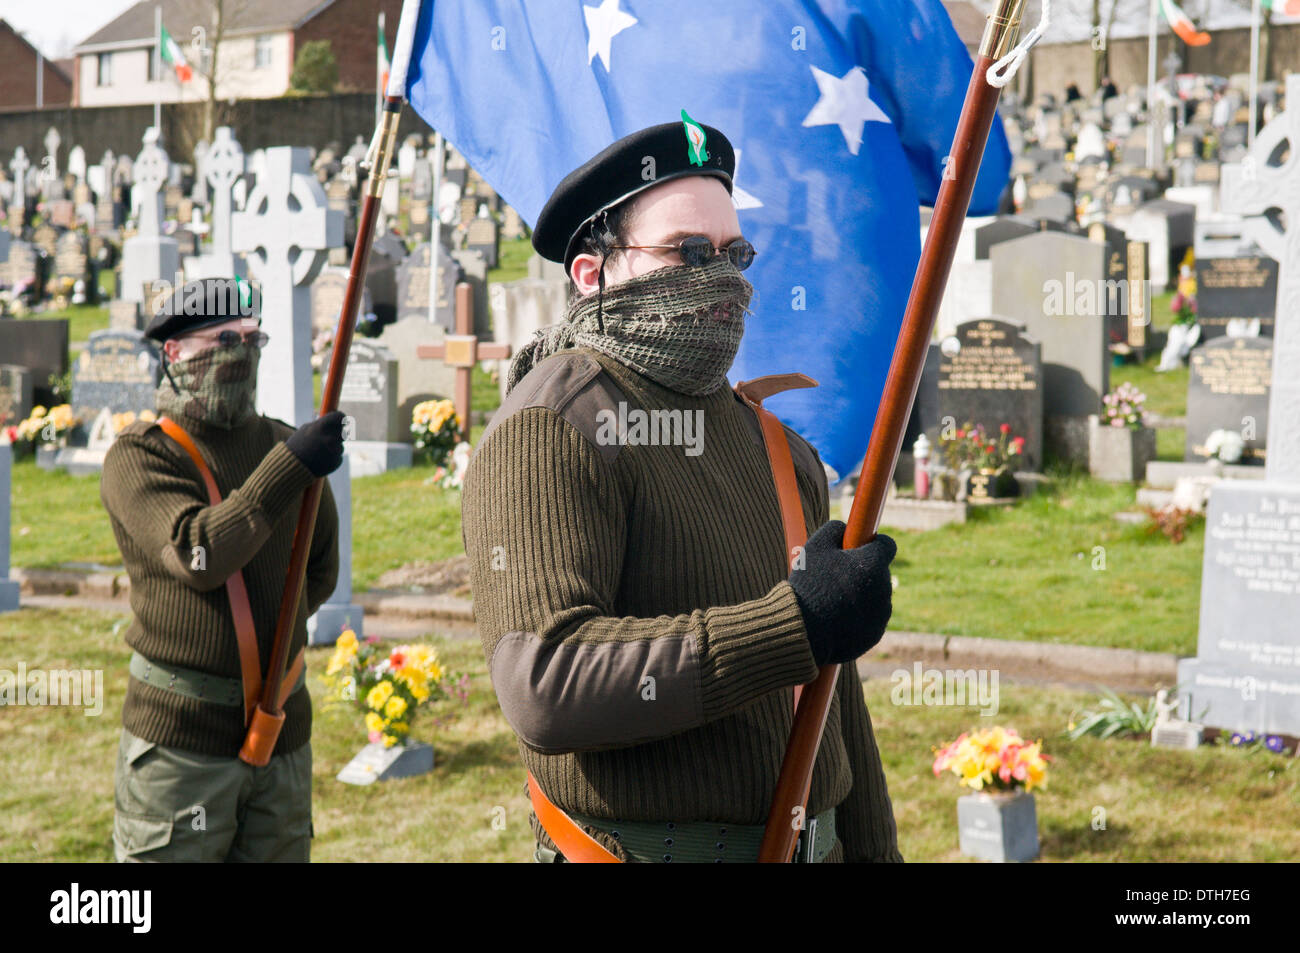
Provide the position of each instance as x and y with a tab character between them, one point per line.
1215	804
1035	572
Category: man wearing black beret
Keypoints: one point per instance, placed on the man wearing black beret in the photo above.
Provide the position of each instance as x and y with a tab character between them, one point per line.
643	627
207	566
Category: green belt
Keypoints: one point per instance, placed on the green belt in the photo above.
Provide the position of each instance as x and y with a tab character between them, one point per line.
197	685
658	842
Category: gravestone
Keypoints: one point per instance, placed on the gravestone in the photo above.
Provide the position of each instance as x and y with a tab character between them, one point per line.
999	230
1227	389
413	286
417	380
16	394
484	237
1169	229
1054	284
991	376
40	344
46	238
22	266
380	436
1246	673
473	271
327	293
1242	287
223	165
285	231
8	588
148	255
72	260
118	371
386	255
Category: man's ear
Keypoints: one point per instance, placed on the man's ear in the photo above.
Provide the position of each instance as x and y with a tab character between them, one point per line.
585	272
172	348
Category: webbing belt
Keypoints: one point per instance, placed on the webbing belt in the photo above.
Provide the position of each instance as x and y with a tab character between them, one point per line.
576	844
202	686
706	842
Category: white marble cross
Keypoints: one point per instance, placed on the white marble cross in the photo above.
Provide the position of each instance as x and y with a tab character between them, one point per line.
19	165
223	164
52	141
285	230
150	174
200	191
1252	187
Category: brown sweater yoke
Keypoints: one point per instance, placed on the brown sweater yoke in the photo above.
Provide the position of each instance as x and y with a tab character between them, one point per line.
628	566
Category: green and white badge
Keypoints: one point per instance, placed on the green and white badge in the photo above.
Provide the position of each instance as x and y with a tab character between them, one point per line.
695	140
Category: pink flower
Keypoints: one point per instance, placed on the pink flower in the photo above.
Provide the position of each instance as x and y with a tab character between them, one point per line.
1117	421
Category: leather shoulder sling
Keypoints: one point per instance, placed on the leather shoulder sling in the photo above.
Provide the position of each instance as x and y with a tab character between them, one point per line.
241	610
573	842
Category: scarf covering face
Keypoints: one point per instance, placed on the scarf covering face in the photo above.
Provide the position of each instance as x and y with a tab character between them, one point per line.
679	326
217	387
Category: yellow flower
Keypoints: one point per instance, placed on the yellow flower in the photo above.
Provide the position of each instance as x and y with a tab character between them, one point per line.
374	722
396	707
38	413
148	415
348	639
378	696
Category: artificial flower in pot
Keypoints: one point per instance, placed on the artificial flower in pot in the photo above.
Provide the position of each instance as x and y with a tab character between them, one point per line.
1120	444
998	822
984	463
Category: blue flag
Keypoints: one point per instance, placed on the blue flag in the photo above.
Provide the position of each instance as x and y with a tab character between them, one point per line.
841	113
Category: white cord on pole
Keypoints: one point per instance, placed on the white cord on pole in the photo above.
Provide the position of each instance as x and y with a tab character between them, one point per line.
402	44
1004	70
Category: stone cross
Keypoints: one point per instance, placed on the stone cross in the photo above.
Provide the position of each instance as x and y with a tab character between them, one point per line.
19	166
200	191
462	351
285	230
1252	187
150	176
223	164
77	163
52	141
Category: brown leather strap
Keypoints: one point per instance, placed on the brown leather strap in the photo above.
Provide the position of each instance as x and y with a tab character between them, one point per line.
240	609
778	454
574	843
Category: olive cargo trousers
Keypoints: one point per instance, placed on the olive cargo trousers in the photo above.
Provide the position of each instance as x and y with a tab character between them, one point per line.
174	805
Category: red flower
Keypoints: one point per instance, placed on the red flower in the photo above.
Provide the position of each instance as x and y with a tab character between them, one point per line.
1019	441
961	434
1006	428
990	448
397	659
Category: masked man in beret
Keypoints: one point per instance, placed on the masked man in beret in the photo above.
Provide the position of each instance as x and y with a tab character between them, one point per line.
643	628
182	794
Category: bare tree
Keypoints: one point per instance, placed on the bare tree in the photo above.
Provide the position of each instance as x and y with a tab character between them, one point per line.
208	41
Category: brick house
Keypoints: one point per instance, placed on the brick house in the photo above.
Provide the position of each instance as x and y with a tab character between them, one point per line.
18	78
259	40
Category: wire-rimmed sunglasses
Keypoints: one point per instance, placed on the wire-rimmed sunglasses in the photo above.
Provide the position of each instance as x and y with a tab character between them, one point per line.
698	250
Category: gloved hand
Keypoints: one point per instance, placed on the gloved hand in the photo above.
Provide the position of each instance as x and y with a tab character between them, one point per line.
845	595
319	444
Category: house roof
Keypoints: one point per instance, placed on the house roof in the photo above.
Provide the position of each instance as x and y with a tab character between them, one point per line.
179	17
59	66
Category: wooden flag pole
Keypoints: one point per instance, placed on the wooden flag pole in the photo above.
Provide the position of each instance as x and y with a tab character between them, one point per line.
267	720
790	801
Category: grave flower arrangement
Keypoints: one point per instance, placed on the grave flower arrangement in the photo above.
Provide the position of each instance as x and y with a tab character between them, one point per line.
1124	407
1183	303
971	447
390	686
996	757
128	417
44	427
452	475
436	428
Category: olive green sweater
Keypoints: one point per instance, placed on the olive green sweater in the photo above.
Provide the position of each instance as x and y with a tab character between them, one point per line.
632	600
161	516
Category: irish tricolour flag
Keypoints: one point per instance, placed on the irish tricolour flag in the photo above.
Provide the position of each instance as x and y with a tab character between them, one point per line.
1182	24
173	57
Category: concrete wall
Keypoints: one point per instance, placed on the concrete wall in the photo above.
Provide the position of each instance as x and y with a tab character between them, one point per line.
1228	52
258	123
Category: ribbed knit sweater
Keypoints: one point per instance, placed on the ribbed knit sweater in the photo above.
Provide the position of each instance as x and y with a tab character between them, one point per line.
632	601
160	513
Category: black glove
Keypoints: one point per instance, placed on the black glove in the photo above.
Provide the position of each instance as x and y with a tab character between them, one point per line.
845	594
319	444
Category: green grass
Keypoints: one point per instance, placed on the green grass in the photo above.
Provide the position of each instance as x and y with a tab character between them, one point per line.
512	260
397	518
1214	804
1027	572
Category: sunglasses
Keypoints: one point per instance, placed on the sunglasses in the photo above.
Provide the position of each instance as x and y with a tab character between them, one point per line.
229	338
697	251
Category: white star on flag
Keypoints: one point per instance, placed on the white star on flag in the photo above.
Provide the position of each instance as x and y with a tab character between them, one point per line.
603	24
845	103
739	197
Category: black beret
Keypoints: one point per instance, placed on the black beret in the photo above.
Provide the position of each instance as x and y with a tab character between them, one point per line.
620	172
198	304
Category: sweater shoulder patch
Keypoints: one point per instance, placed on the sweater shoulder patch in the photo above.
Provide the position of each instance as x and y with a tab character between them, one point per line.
570	384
